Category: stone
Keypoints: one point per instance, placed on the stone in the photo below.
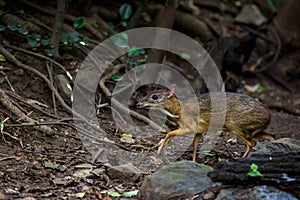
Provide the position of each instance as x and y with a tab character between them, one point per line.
175	181
63	86
251	14
255	193
276	146
126	172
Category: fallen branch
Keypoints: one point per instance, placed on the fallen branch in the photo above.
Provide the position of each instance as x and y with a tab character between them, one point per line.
6	44
279	169
6	102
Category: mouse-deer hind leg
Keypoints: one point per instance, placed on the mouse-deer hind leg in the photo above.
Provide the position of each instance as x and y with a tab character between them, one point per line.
196	141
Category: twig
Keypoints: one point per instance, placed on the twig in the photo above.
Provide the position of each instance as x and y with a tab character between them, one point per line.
16	96
35	54
5	100
285	108
50	74
12	59
57	155
6	158
7	80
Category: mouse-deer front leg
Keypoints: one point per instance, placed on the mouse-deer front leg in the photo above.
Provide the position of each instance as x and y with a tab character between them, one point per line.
180	131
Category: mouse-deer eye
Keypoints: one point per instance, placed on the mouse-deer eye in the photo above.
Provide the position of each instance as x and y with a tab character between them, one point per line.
154	97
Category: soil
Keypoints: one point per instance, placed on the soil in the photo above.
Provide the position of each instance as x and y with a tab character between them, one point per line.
43	164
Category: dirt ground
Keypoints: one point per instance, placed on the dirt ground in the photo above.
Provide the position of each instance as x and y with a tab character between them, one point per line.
42	165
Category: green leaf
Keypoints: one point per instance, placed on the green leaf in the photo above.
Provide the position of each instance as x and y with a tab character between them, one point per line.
74	37
135	51
254	167
96	25
254	174
113	193
49	52
23	30
84	42
130	193
120	39
111	25
260	90
129	135
207	167
2	27
13	25
132	63
208	153
1	126
79	22
116	77
254	171
123	23
33	39
271	5
31	42
64	38
186	56
2	3
2	58
35	36
125	11
142	60
165	126
45	42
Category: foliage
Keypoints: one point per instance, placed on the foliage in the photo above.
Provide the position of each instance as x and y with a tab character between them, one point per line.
129	194
165	126
120	40
125	11
2	27
34	39
129	135
2	3
253	172
15	26
2	58
79	22
134	53
116	77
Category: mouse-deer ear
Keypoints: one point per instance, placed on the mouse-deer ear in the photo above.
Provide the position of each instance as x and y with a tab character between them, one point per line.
171	91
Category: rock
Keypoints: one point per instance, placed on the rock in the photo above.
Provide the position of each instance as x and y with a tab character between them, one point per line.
276	146
256	193
175	181
126	172
63	86
251	14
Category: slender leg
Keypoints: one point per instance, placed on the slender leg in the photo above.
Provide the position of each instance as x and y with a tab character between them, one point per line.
249	142
197	138
171	134
248	149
